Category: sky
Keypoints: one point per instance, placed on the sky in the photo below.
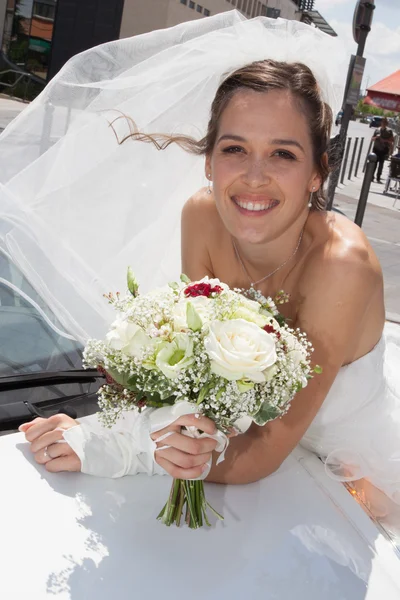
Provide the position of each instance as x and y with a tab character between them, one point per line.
382	49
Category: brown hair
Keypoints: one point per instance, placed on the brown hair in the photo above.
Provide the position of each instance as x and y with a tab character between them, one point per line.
262	76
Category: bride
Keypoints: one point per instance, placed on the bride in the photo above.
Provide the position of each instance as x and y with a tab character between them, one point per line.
259	222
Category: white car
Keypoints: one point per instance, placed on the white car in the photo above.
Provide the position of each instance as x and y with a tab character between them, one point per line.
67	536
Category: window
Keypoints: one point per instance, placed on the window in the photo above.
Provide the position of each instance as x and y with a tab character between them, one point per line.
184	2
206	12
274	13
44	10
199	9
263	10
191	4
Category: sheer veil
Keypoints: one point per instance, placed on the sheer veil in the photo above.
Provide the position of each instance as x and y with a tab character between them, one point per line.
76	208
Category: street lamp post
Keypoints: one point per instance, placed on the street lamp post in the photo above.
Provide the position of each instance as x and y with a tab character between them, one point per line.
362	20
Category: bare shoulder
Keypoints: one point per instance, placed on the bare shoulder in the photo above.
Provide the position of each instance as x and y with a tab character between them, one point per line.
341	288
200	208
339	248
200	222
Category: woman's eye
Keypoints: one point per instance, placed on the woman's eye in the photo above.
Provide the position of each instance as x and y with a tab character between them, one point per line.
232	149
285	154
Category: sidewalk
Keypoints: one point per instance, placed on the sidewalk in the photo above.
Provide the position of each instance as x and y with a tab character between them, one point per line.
381	225
352	189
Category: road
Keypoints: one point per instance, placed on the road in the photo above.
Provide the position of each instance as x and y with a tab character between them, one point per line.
382	228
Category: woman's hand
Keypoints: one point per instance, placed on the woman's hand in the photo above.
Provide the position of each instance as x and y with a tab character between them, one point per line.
187	457
47	443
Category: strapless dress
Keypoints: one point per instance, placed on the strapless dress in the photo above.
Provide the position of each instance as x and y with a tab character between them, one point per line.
357	429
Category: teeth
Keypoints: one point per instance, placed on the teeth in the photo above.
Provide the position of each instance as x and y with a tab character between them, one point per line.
255	207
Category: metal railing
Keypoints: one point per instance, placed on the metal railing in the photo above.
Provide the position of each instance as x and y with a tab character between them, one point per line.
355	159
19	77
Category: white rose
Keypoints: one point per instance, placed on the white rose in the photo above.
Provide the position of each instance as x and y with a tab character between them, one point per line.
176	356
202	306
250	315
295	351
128	337
240	350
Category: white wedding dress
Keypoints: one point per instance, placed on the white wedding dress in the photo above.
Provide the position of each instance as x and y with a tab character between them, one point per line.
76	208
357	429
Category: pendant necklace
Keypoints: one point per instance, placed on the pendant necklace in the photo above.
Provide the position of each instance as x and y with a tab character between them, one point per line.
254	283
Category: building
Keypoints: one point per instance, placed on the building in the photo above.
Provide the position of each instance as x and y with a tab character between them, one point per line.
39	36
386	93
141	16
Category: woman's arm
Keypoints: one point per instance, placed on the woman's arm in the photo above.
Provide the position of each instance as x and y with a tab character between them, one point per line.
334	316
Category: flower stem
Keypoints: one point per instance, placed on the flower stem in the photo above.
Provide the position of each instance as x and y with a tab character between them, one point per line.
192	494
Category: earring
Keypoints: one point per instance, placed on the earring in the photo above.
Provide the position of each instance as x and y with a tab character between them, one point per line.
311	198
209	190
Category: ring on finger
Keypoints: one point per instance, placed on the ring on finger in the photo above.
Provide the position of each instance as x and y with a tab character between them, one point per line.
46	453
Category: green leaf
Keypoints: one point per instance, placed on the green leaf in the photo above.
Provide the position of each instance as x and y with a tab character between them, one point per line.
131	384
266	413
203	392
281	319
185	278
173	285
193	318
155	400
133	285
318	369
121	378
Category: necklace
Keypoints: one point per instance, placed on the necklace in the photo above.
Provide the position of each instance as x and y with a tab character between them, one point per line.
254	283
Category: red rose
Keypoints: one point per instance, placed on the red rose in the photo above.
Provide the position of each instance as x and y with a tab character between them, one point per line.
270	329
202	289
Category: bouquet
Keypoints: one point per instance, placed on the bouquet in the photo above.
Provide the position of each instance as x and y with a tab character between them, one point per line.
223	353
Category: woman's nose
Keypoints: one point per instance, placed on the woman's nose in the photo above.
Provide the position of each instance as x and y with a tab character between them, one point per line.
257	172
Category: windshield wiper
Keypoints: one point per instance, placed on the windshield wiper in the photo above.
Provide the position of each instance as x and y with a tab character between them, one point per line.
29	380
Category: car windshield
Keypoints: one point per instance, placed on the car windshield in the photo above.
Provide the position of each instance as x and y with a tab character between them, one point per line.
31	339
40	365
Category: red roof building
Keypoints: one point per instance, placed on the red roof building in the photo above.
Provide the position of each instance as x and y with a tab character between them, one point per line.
386	93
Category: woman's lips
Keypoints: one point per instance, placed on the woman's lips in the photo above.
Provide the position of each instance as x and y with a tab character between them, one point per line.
254	205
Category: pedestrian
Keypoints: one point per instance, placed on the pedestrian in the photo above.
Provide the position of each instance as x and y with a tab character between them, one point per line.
383	144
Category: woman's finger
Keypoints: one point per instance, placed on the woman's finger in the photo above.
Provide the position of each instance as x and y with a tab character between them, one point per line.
39	428
182	459
45	440
48	453
202	423
199	421
188	444
64	463
57	450
179	472
25	426
45	425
